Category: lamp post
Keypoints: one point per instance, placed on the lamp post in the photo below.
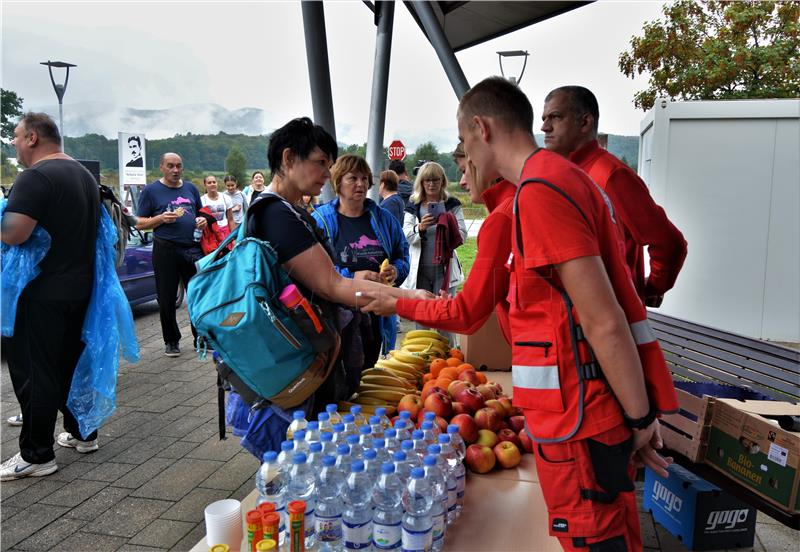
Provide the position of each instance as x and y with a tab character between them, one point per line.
60	90
513	53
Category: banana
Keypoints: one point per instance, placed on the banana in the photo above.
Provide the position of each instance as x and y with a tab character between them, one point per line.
384	266
392	362
429	350
344	406
410	381
425	341
388	381
358	398
425	333
375	371
391	395
408	358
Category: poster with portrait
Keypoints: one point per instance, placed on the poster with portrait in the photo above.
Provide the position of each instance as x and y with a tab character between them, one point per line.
132	166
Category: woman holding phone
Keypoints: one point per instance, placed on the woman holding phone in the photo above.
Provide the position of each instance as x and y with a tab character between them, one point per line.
434	264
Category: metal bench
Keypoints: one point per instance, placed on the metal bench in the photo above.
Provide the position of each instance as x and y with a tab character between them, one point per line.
707	355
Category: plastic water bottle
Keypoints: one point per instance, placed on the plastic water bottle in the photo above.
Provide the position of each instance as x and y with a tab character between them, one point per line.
390	438
333	414
380	412
371	464
365	437
328	520
356	450
271	482
401	466
453	472
430	437
403	430
457	442
315	455
343	458
417	533
376	427
312	432
339	437
197	235
285	456
328	448
350	427
438	483
387	517
357	515
324	420
405	415
379	446
420	445
412	457
303	486
431	417
298	422
358	417
300	443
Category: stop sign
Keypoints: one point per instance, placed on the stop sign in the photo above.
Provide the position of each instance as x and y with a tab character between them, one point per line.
397	150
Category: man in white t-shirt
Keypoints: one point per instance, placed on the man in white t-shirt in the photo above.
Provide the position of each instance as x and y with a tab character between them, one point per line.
219	204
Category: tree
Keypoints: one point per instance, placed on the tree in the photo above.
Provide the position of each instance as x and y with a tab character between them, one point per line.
713	49
236	164
10	109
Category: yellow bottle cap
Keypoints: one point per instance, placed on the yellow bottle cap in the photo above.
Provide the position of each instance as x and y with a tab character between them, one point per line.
265	545
220	548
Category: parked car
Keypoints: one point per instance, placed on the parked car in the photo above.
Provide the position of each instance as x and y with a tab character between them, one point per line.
136	273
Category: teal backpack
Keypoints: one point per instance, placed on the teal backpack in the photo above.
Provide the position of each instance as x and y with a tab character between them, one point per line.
269	353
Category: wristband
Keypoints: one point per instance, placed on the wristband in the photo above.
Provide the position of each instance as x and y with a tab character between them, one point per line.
640	423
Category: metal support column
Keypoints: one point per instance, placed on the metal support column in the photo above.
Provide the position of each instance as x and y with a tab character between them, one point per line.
319	73
442	47
384	16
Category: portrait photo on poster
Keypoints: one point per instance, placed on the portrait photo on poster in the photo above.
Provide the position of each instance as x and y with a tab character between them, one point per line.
135	151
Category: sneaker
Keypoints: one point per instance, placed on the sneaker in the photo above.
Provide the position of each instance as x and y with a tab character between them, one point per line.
17	468
172	350
15	420
66	439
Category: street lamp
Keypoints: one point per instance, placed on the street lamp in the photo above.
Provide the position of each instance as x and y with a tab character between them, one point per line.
513	53
60	90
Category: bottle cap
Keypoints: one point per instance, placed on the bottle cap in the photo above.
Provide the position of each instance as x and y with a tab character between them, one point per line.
427	425
378	443
326	436
429	417
266	507
365	430
296	507
381	411
313	426
444	438
271	519
329	460
357	466
220	548
330	408
299	435
338	428
405	415
253	516
290	296
286	446
407	445
399	456
370	454
400	424
373	420
452	428
315	447
434	449
417	473
343	449
348	418
429	460
269	456
352	439
390	433
298	415
418	434
387	467
323	416
299	458
355	409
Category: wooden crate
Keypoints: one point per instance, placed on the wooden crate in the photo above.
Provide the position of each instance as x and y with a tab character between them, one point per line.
687	431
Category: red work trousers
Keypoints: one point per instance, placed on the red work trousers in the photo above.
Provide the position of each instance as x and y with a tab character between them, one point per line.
589	491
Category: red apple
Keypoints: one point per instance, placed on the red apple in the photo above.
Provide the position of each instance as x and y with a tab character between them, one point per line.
486	392
471	376
439	404
456	386
459	408
508	435
517	410
509	408
498	389
525	439
394	419
487	418
516	423
470	398
497	406
502	425
507	453
487	438
430	390
480	459
411	403
467	427
442	423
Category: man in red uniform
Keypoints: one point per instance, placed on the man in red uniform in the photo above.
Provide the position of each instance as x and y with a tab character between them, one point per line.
570	118
587	369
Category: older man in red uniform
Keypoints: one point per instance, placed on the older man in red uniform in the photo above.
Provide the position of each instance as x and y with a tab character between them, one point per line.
570	119
587	369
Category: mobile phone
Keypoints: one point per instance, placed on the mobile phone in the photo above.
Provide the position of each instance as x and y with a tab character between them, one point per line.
435	208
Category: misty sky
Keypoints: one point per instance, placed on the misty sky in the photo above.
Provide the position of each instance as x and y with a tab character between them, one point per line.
155	55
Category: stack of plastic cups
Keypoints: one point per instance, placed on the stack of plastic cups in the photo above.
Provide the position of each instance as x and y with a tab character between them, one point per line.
224	523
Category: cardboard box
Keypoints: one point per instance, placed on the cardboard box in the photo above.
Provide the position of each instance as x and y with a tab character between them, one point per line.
755	451
698	513
487	349
686	432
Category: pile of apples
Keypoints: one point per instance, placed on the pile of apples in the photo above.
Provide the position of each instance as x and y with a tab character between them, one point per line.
492	428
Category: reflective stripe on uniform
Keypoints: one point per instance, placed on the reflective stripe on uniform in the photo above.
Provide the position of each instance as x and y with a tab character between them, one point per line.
535	377
642	332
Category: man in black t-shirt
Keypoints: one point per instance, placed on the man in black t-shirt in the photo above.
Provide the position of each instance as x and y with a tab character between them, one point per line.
60	195
170	206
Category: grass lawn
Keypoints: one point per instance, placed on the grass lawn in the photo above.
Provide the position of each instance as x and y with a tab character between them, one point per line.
466	254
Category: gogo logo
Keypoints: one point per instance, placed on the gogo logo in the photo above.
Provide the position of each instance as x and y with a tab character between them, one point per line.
727	518
669	499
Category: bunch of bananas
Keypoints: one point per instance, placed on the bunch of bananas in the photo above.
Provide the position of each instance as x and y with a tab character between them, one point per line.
426	343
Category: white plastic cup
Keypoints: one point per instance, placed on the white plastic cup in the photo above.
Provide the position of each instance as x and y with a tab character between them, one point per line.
224	524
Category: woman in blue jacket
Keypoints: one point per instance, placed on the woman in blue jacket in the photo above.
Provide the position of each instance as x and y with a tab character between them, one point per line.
363	235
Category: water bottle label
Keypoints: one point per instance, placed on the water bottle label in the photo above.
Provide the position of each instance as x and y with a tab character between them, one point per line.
309	522
451	498
386	537
357	536
329	529
417	541
460	484
438	527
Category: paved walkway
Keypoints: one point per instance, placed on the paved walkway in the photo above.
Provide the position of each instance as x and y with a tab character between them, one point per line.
160	463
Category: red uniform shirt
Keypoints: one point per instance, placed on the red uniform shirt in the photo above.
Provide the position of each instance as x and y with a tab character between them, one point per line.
643	221
565	219
486	286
